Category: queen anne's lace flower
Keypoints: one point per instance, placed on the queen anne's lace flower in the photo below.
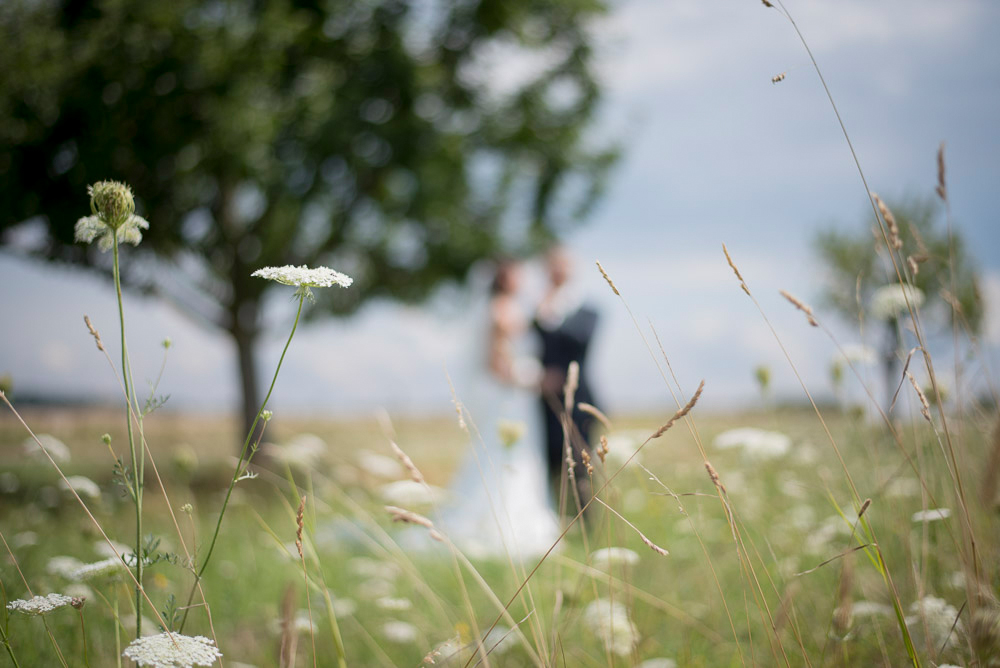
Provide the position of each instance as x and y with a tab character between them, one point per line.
91	227
82	485
938	618
399	632
304	277
99	569
889	301
610	622
613	556
167	650
40	605
931	515
755	442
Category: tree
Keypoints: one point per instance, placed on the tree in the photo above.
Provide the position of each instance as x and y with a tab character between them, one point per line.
371	136
863	286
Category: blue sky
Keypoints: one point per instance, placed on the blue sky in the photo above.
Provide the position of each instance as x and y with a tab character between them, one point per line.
714	152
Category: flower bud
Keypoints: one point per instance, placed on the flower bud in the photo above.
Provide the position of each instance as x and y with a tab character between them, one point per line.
106	438
112	202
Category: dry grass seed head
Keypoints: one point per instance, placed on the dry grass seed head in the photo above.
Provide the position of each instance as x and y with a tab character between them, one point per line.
714	476
942	189
572	383
603	450
608	278
864	507
596	413
415	474
890	222
585	456
778	77
842	615
681	413
732	265
299	522
802	306
925	408
94	333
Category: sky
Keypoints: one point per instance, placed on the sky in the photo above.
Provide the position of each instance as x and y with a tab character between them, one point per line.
714	153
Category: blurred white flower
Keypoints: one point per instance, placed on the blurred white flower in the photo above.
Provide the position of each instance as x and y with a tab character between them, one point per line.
375	589
56	448
658	663
937	617
63	567
24	539
40	605
380	466
77	590
9	482
902	487
825	534
859	353
303	451
889	301
394	604
499	640
399	632
755	442
304	277
607	557
931	515
173	650
115	549
82	485
372	568
409	494
106	568
870	609
609	621
344	607
91	227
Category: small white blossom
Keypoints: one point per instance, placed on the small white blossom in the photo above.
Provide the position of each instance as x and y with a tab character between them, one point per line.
91	227
499	640
394	604
64	567
56	448
40	605
373	568
931	515
380	466
937	617
889	301
902	487
859	353
658	663
757	443
613	556
115	549
610	622
82	485
173	651
410	494
870	609
303	451
106	568
399	632
304	277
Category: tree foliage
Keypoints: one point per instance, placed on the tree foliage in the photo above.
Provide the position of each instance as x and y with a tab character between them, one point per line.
396	141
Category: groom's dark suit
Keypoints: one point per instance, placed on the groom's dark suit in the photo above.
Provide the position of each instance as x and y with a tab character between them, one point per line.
566	342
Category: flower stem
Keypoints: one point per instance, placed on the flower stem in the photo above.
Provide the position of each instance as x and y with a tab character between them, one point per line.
239	466
6	644
137	467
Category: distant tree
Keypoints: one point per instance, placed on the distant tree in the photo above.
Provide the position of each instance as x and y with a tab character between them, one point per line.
370	136
863	286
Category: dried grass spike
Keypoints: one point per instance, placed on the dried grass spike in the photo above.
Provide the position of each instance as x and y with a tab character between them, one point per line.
94	333
925	408
595	412
585	457
408	517
732	265
864	507
299	523
714	476
911	262
602	451
778	77
415	474
572	383
608	278
681	413
890	222
802	306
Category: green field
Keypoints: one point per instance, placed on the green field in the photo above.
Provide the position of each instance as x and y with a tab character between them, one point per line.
730	592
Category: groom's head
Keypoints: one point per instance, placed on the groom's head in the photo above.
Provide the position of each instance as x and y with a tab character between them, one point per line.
559	264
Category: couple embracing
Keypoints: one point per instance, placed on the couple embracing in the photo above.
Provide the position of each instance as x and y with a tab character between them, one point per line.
505	490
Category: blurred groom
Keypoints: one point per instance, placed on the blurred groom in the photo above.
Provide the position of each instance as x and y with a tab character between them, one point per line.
566	326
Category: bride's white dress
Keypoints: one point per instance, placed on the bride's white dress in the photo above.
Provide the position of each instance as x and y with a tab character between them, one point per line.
501	502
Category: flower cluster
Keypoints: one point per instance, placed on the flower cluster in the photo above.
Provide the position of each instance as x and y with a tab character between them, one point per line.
607	557
105	568
610	622
756	443
890	301
113	218
40	605
172	650
304	277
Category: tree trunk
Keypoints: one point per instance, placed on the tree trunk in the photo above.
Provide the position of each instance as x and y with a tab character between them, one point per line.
245	339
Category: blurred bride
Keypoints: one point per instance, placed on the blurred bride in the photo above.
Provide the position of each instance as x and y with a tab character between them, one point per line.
501	502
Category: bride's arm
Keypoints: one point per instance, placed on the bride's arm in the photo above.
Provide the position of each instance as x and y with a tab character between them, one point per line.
504	365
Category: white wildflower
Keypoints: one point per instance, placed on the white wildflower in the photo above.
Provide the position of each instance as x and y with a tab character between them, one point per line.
499	640
115	549
870	609
757	443
410	494
931	515
344	607
80	591
56	448
902	487
380	466
89	228
375	589
40	605
859	353
444	651
399	632
304	277
889	301
610	622
82	485
658	663
394	604
373	568
303	451
63	567
607	557
173	650
106	568
24	539
510	432
937	617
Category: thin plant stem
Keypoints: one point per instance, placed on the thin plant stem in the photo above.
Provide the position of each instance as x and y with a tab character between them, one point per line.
6	644
136	468
83	636
240	463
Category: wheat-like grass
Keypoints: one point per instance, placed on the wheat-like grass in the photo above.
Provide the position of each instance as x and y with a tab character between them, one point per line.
802	306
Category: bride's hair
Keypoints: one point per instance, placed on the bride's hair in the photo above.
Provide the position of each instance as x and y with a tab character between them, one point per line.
505	266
